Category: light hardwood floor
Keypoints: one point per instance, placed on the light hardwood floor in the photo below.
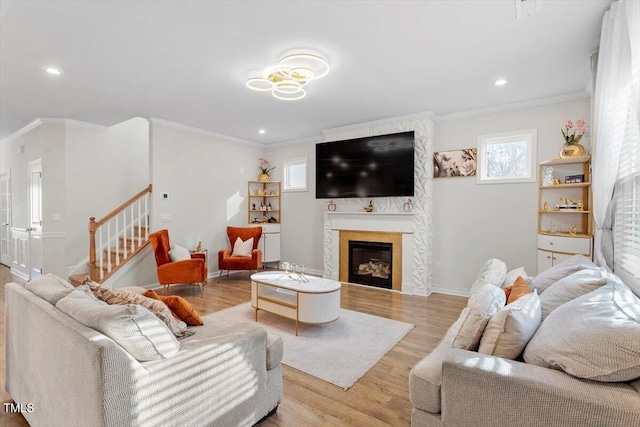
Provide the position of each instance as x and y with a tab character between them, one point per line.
380	398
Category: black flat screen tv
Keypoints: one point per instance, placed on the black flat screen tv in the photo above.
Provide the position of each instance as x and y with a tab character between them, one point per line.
377	166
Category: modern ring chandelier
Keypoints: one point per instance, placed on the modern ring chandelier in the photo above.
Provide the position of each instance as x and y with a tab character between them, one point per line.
287	80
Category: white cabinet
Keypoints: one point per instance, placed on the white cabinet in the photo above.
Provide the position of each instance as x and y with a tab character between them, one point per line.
270	243
547	259
555	249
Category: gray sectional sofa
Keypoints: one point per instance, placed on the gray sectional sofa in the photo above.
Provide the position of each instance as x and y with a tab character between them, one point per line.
73	375
595	382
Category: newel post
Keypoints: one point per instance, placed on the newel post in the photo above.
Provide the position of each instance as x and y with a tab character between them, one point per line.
93	270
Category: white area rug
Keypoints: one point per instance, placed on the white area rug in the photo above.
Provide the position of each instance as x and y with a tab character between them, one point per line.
339	352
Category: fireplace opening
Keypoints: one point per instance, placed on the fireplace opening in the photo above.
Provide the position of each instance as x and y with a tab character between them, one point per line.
370	263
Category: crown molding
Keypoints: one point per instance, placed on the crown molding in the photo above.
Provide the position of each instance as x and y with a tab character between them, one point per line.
174	125
308	140
72	122
513	106
17	134
52	121
427	115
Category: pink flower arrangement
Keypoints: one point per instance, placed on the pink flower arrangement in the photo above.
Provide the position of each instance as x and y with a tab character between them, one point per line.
265	166
577	134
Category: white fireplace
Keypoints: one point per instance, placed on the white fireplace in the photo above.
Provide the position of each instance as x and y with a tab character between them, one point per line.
393	227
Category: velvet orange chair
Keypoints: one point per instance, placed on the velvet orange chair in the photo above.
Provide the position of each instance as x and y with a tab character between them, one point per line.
192	271
228	262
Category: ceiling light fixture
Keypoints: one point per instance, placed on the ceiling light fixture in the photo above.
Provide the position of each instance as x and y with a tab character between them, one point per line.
500	82
53	70
286	80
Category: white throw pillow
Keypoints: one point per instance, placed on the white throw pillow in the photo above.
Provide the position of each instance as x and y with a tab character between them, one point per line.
513	275
595	336
50	287
571	287
133	327
493	272
559	271
473	319
178	253
241	248
510	329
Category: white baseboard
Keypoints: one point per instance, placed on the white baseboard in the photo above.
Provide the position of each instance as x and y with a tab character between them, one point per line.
454	292
20	274
81	267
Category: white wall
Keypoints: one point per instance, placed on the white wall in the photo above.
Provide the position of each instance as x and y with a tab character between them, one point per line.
104	168
206	179
301	233
472	222
45	142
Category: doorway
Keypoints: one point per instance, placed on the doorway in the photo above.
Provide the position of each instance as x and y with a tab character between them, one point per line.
35	219
5	218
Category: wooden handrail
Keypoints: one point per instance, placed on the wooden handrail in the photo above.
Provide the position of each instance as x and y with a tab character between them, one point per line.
94	225
120	208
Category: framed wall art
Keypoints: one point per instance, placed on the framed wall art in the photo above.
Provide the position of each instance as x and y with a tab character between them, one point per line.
455	163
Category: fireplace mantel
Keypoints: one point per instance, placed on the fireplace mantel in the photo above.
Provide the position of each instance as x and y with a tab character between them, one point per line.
399	223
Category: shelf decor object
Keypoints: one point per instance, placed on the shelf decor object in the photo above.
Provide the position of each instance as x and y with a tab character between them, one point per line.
264	209
565	221
572	147
265	169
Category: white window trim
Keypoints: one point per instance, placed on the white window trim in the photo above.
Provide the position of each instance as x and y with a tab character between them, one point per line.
530	135
285	173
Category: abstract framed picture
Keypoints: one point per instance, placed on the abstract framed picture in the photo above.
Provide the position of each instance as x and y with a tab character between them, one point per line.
455	163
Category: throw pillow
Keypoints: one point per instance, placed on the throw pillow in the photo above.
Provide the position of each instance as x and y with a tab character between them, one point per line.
510	329
571	287
519	289
178	253
179	306
123	297
493	272
473	319
50	287
241	248
559	271
513	275
132	326
595	336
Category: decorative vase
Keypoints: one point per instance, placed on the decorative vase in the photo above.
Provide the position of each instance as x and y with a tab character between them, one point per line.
571	150
264	177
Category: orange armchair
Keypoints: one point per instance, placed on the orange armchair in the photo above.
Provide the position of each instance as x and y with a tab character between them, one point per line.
192	271
228	262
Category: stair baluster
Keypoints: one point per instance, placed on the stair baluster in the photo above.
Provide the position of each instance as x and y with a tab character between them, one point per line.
129	239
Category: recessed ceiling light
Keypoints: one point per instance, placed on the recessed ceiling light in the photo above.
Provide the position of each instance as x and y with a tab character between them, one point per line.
53	70
262	131
500	82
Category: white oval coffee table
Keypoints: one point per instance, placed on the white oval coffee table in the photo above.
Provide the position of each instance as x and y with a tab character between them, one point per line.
317	301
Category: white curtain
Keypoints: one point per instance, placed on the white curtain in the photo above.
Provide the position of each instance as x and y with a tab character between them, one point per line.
616	92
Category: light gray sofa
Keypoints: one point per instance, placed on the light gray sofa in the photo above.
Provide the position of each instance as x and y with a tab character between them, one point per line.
75	376
454	387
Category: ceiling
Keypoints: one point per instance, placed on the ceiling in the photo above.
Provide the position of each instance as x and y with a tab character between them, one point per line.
187	61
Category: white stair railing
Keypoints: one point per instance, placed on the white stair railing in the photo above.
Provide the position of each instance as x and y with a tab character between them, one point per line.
130	224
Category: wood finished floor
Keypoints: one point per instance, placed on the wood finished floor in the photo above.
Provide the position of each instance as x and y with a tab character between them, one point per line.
380	398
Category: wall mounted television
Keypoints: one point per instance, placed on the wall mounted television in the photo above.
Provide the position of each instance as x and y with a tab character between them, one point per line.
377	166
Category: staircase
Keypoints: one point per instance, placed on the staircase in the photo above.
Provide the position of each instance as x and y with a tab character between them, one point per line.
117	238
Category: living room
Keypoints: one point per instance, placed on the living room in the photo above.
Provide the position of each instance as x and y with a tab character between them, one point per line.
97	150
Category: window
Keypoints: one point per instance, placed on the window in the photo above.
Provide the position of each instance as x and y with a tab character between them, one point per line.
507	157
626	208
295	174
